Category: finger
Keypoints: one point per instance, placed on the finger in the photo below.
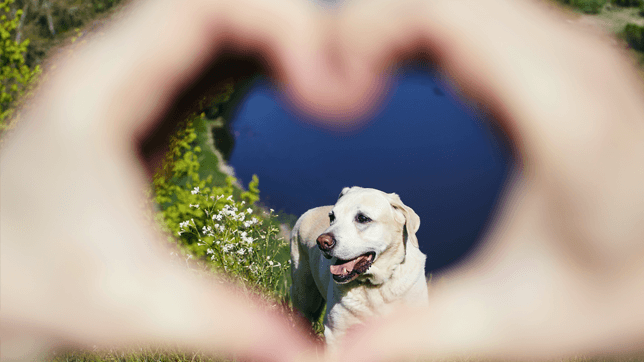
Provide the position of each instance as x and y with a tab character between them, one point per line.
469	40
147	59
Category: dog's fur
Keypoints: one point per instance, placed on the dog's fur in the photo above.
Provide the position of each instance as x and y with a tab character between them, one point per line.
397	272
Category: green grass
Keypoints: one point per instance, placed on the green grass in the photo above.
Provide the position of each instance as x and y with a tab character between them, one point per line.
207	158
170	355
132	355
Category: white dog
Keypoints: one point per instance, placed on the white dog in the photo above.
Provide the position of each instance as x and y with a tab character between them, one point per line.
361	256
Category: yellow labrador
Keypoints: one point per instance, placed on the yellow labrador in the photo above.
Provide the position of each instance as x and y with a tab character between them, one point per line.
361	256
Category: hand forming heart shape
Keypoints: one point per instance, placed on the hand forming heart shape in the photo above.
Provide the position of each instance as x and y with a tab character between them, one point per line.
560	273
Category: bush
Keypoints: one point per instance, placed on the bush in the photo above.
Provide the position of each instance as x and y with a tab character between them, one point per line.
15	76
634	36
587	6
628	3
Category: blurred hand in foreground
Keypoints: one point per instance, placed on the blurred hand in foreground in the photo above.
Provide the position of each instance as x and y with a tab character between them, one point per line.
561	271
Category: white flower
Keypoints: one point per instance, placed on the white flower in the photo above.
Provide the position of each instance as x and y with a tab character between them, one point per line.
184	224
250	250
209	251
245	238
227	248
179	233
208	230
195	206
229	198
250	222
272	210
195	190
241	216
249	210
217	217
227	210
243	202
270	263
241	251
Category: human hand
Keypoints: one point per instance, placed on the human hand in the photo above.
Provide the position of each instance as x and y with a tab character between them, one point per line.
560	271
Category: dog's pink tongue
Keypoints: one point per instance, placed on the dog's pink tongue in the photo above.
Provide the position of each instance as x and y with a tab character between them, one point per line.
346	268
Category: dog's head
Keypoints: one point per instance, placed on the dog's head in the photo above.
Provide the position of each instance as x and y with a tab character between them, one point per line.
369	233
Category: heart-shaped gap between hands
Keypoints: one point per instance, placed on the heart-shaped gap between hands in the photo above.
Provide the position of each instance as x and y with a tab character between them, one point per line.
561	272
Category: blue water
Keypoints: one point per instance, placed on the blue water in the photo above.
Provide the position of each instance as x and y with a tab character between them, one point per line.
438	155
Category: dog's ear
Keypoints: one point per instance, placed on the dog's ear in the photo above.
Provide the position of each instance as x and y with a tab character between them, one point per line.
344	191
411	221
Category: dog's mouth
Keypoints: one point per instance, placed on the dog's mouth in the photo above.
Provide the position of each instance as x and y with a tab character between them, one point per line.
344	271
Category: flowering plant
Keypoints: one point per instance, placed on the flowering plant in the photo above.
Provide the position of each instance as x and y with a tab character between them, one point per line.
237	240
219	224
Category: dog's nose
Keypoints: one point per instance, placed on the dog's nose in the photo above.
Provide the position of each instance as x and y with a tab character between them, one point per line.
326	242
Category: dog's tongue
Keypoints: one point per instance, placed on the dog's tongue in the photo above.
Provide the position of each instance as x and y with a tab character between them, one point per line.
347	267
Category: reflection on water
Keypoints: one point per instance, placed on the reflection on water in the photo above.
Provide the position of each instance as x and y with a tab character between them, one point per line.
440	157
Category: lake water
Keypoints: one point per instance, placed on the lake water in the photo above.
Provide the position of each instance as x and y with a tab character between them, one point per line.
438	155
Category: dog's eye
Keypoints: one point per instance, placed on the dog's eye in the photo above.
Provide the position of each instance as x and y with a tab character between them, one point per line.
361	218
331	217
